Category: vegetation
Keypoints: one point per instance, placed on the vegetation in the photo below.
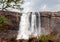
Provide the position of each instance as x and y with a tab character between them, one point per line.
14	4
5	5
45	38
3	21
42	38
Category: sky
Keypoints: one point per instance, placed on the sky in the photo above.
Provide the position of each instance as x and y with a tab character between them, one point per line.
41	5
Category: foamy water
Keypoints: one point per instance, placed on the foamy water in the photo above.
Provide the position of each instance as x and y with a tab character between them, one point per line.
29	26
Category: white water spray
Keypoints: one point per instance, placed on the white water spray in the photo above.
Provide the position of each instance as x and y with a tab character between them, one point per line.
23	29
29	25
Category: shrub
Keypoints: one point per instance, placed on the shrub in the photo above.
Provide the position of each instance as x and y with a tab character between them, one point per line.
46	38
3	21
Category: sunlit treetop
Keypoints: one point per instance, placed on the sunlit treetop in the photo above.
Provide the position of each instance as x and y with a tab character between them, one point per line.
14	4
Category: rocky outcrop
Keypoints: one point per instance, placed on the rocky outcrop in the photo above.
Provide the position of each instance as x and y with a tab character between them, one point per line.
50	21
13	19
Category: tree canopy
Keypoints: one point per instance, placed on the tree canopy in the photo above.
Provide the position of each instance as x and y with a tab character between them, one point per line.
14	4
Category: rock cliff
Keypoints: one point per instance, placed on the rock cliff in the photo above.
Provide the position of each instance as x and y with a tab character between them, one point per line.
49	20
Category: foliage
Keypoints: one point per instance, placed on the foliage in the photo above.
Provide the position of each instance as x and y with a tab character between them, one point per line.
15	4
3	21
42	38
46	38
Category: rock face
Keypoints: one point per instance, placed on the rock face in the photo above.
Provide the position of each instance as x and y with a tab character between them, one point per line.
13	19
49	20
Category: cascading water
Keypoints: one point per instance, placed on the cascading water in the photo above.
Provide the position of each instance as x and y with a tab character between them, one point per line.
29	26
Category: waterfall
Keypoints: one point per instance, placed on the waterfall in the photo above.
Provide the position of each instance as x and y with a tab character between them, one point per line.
30	25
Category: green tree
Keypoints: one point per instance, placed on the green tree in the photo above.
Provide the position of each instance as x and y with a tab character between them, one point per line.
14	4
